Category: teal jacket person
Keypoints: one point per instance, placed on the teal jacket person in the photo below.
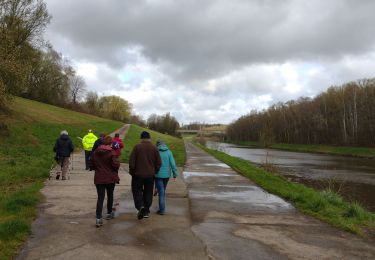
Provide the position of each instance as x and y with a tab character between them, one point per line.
168	164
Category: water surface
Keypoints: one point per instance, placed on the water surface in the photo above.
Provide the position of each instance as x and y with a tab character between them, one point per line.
352	177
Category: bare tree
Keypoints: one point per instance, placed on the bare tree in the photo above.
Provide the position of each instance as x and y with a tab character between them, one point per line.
77	87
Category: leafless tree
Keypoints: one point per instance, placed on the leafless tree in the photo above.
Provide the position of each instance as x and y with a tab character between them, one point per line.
77	88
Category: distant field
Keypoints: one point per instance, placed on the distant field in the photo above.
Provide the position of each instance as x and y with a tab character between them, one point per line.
326	149
176	145
25	159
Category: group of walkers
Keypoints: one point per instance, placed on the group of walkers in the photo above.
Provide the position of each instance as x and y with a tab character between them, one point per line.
149	165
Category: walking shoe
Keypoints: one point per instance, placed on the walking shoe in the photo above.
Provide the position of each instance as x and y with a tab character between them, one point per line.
160	212
110	216
99	222
146	215
57	176
141	213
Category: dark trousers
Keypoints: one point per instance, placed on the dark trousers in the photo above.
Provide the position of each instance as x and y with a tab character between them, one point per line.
142	189
87	159
100	189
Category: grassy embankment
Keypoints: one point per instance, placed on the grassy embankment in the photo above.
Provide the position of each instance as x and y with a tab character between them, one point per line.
176	145
28	135
325	149
324	205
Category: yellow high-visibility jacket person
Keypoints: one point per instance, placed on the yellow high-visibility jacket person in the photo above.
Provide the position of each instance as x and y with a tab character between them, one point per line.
88	143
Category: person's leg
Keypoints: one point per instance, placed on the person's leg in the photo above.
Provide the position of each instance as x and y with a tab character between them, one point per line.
87	158
137	190
148	185
160	186
100	189
65	167
110	190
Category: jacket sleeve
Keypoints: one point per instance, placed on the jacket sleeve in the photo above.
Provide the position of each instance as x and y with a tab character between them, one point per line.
115	161
157	160
92	161
172	164
132	161
71	146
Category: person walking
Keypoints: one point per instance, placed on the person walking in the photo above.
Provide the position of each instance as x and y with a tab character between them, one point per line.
63	148
144	163
98	142
88	142
106	164
117	144
168	165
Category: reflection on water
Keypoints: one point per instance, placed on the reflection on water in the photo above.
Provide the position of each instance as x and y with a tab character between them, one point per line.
353	178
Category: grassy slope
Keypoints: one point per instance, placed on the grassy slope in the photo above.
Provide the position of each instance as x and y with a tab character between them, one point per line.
324	205
176	145
326	149
26	157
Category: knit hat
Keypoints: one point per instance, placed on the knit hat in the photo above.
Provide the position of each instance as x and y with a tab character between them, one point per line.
145	135
64	132
107	140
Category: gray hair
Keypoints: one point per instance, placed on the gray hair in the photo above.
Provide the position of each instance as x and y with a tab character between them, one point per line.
64	132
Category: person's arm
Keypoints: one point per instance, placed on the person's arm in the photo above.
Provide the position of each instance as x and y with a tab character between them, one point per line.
71	146
121	144
115	161
132	161
157	160
172	163
92	161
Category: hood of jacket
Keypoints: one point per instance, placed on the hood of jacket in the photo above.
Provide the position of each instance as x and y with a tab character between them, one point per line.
103	149
163	148
64	137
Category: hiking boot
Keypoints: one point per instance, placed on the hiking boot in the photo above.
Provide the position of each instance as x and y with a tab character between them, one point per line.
99	222
141	213
110	216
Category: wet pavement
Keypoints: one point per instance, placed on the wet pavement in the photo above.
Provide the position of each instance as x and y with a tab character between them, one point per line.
213	213
238	220
352	177
65	227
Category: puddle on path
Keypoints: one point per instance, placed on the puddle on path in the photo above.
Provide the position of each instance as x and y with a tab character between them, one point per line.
187	174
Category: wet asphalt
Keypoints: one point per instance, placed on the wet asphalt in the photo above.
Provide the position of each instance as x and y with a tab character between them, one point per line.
236	219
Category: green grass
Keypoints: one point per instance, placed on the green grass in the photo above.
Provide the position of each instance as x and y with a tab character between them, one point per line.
29	133
324	205
326	149
176	145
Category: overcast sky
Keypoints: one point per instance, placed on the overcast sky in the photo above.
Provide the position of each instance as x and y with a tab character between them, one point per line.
214	60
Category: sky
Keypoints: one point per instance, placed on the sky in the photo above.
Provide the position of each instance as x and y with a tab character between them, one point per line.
213	61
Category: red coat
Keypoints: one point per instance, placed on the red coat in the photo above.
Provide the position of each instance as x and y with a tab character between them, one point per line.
106	164
121	145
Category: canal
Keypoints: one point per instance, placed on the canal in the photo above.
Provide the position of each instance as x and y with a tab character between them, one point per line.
352	177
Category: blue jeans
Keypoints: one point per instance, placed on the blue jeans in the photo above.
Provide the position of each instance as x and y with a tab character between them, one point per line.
161	185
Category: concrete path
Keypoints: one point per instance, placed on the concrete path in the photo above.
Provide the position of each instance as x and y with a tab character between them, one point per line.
65	227
225	217
238	220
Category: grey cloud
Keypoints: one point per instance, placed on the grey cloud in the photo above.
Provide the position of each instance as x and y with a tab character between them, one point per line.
203	39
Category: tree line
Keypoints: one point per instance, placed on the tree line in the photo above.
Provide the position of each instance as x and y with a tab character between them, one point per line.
31	68
342	115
